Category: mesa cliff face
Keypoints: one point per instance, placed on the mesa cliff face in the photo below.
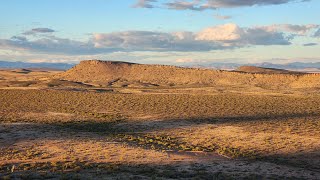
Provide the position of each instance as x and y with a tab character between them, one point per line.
123	74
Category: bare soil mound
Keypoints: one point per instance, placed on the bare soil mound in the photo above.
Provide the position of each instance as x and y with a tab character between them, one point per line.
123	74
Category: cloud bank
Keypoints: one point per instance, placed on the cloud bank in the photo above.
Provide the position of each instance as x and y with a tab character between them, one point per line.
241	3
200	5
220	37
39	30
296	29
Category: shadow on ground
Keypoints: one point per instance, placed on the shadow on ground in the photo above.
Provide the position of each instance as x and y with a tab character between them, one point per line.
305	163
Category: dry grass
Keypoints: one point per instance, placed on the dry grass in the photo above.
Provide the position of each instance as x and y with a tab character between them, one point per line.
74	132
169	106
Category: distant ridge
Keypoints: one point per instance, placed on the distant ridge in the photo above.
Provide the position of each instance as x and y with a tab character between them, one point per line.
294	66
262	70
27	65
123	74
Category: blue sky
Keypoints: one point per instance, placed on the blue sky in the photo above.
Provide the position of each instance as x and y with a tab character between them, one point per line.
168	32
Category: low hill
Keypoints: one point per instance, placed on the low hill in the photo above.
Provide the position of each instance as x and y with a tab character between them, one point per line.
22	71
123	74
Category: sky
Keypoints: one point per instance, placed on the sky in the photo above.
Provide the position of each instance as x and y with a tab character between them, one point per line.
160	31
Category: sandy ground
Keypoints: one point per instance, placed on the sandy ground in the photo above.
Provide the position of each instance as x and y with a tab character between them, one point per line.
45	150
29	143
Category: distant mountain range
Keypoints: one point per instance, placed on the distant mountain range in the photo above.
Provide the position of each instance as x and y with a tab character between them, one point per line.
18	64
296	66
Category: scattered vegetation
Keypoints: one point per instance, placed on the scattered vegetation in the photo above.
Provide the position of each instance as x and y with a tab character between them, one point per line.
221	107
63	83
167	142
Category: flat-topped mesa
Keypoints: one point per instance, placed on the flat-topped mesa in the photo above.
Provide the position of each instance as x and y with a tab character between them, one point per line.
88	65
100	72
100	62
108	72
125	74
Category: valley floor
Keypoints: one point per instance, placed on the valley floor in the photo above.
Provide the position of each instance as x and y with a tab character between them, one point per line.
50	133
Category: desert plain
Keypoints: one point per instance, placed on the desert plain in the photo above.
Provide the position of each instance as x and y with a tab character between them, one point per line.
118	120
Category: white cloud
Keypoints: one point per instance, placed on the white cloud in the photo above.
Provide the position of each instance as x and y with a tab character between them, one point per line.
50	44
235	36
226	32
144	4
220	17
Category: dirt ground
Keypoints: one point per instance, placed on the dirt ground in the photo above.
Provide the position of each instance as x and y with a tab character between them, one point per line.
32	150
53	129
